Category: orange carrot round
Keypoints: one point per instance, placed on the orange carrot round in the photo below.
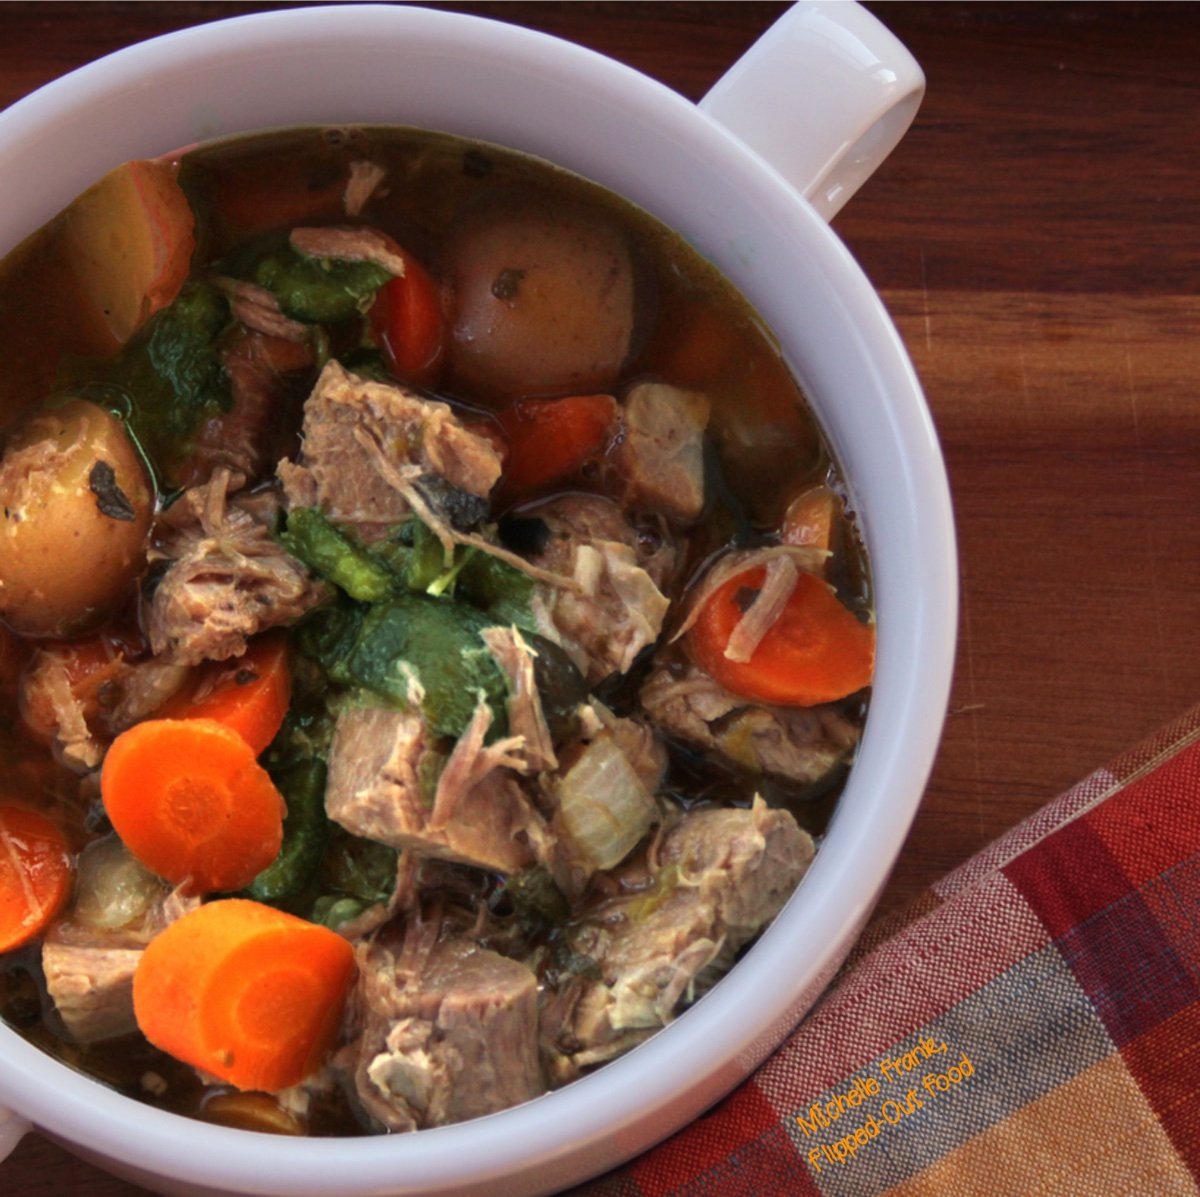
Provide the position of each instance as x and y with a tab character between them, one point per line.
35	874
550	439
816	651
245	992
192	804
248	695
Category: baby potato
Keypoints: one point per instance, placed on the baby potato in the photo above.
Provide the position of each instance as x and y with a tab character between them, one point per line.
542	304
76	506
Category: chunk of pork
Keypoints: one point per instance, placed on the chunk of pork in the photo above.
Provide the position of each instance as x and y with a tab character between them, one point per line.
91	986
89	970
720	876
448	1030
798	744
266	366
660	454
367	446
227	578
391	780
616	607
81	718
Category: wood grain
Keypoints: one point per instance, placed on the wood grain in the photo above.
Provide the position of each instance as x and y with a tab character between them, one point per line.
1037	240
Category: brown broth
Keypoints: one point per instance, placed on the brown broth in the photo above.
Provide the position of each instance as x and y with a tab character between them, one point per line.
699	332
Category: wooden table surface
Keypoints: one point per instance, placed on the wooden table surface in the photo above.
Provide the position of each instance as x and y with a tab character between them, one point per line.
1037	240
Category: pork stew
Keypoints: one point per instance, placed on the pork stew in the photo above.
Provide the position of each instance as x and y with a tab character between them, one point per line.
432	631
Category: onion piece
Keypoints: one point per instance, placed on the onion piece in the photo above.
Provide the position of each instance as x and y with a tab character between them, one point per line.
114	890
729	565
765	608
604	806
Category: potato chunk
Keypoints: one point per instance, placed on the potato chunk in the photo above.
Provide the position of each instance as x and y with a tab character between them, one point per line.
543	305
128	242
75	512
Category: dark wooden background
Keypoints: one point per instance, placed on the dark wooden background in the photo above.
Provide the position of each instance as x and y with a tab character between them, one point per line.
1037	240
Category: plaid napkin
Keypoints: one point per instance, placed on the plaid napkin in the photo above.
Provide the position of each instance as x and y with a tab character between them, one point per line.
1031	1026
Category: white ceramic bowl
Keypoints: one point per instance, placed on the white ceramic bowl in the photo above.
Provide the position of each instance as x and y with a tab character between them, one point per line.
825	95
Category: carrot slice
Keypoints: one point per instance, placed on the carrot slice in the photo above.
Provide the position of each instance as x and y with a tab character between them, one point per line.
245	992
702	350
406	318
35	874
809	519
816	651
242	207
550	439
192	804
248	695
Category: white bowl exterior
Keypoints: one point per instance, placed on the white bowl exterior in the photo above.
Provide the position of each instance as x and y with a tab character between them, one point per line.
440	70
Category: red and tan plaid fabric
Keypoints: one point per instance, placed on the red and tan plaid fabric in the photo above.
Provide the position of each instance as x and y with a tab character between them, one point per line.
1031	1027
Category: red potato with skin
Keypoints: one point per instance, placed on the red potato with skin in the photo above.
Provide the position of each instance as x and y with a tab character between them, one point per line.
114	256
129	241
75	511
541	305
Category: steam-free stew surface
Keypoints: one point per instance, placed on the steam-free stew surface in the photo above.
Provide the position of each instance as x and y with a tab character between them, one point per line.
512	361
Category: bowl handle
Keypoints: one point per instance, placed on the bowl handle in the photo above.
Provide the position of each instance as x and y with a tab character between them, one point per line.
12	1130
824	96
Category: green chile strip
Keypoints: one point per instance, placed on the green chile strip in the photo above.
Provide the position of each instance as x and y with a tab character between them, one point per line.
328	551
303	788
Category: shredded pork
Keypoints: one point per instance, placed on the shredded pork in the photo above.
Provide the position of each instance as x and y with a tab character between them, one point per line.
390	780
616	607
365	445
797	744
227	579
719	876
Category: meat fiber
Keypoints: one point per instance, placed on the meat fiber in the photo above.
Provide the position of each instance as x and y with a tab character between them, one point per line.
798	744
448	1030
720	875
227	579
367	447
526	718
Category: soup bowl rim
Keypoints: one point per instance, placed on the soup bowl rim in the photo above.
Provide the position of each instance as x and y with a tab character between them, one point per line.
624	1106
